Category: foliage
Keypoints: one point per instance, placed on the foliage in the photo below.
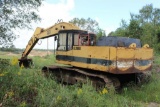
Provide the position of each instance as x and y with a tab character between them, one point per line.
100	32
145	26
16	14
29	87
121	31
85	24
89	25
134	29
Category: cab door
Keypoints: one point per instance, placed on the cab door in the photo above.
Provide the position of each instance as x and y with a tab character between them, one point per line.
69	51
61	48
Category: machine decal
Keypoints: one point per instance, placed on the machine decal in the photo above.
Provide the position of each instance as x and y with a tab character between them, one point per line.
77	48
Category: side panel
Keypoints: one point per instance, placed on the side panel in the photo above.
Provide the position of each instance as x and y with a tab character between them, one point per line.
143	59
124	60
129	60
108	59
91	57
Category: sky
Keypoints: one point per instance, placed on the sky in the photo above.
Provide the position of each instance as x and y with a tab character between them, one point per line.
108	13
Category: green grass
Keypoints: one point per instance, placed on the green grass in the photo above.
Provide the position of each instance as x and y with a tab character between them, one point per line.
148	92
29	88
39	62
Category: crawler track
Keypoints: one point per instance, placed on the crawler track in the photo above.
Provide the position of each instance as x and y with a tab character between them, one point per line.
73	75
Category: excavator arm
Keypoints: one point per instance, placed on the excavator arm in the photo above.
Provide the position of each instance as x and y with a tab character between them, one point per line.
41	33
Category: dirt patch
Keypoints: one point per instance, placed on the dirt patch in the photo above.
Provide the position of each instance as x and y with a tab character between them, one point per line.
31	54
152	104
40	53
156	68
12	54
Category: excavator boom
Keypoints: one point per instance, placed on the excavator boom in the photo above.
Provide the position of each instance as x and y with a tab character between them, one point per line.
41	33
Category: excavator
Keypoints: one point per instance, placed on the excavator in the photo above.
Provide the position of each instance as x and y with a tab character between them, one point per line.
106	62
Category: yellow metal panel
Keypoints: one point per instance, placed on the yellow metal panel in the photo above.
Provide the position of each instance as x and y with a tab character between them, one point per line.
63	62
88	52
85	65
79	64
92	52
125	53
61	52
124	57
112	53
69	53
143	53
142	68
38	30
83	51
98	67
53	30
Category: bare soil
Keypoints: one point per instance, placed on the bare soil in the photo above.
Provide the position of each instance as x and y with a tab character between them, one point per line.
40	53
32	53
153	104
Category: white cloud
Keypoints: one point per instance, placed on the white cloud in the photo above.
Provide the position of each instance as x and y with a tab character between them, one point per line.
49	13
110	29
102	25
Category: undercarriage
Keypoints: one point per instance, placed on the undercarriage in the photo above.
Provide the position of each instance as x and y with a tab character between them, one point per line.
73	75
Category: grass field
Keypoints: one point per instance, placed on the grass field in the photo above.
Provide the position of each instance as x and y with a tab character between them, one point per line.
30	88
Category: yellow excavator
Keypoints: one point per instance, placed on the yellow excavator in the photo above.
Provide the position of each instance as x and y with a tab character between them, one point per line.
105	62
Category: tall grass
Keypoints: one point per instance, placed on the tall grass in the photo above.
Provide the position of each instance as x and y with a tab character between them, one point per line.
30	88
39	62
147	92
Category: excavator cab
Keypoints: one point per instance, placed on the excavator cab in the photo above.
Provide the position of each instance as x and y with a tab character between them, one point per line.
69	38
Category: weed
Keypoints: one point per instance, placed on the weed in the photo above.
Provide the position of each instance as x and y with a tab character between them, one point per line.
29	87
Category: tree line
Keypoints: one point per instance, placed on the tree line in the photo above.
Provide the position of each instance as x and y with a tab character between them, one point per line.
144	26
16	14
21	13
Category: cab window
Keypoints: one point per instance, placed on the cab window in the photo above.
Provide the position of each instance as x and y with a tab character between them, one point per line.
70	41
62	41
84	40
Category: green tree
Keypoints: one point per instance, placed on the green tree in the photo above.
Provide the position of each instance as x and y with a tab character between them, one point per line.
148	14
86	24
145	26
134	29
89	25
122	30
16	14
148	34
119	32
149	18
111	33
100	32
